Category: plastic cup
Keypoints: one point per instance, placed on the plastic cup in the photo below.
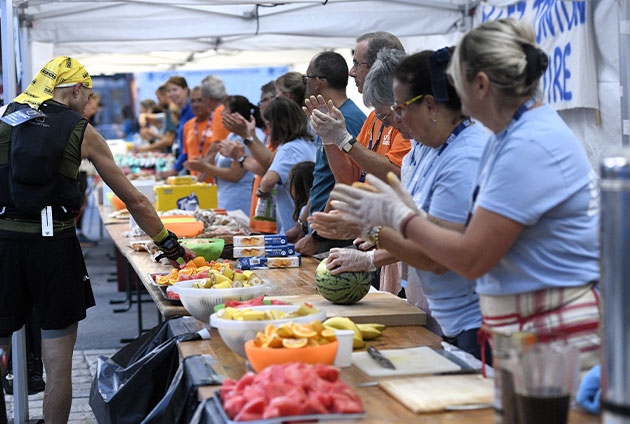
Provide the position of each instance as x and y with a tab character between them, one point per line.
543	379
344	350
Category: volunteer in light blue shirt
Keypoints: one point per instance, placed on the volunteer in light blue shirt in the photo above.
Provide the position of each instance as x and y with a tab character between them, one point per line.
288	128
441	183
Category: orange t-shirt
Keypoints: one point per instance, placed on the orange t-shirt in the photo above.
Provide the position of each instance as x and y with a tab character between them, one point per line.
201	134
255	225
386	141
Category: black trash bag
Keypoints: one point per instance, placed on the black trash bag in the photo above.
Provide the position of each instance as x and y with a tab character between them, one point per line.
180	402
127	386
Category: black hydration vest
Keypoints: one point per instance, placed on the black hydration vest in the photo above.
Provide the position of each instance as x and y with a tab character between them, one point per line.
31	179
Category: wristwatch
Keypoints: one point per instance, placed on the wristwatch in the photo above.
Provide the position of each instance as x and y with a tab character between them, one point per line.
348	146
303	226
247	141
241	160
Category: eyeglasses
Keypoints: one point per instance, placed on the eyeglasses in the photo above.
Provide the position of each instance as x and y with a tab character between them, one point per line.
265	100
382	118
356	64
398	109
306	77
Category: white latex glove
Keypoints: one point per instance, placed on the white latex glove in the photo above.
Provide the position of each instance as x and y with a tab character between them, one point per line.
331	127
390	206
344	260
337	225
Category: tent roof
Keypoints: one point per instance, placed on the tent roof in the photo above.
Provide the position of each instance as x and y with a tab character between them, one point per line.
191	26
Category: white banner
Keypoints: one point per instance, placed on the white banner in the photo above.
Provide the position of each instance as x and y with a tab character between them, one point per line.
564	30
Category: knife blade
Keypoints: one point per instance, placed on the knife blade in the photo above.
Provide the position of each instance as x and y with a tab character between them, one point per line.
378	357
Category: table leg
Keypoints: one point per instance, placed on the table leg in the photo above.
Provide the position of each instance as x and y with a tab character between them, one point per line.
20	383
128	299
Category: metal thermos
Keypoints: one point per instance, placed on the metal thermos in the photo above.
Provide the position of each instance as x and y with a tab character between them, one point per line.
615	287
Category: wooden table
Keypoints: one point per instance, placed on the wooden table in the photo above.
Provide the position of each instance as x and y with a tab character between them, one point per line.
380	408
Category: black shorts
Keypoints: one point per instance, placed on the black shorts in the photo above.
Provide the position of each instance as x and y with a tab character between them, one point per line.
48	274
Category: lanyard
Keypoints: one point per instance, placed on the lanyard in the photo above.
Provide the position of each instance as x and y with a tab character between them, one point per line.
203	135
378	140
498	147
425	170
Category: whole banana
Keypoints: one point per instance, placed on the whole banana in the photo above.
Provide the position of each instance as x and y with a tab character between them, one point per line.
343	323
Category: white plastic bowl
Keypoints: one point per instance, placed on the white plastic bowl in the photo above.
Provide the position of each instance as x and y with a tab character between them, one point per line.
236	333
200	303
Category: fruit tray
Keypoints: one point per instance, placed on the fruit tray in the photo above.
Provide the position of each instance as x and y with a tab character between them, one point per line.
214	410
163	288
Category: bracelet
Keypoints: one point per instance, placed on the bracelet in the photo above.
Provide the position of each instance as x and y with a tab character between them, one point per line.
373	236
406	222
241	160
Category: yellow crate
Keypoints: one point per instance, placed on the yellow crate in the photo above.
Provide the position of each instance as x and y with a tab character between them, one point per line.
175	196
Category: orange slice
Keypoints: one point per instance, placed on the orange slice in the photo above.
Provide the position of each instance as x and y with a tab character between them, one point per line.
199	261
328	335
317	326
187	271
285	330
270	330
294	343
303	331
275	340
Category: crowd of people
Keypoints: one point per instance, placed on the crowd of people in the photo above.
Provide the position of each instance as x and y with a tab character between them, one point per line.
468	185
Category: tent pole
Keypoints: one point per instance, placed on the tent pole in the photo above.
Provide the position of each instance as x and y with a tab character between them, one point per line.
8	49
20	406
25	52
624	70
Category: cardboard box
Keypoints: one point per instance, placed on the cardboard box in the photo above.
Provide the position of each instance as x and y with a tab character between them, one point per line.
270	262
264	240
177	196
253	251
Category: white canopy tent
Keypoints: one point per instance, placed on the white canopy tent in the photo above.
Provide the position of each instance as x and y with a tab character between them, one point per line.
143	35
136	35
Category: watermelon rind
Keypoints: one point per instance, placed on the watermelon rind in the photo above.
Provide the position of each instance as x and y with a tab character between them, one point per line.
342	289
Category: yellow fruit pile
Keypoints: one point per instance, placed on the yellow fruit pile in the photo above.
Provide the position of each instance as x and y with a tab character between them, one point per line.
295	336
362	332
216	275
248	314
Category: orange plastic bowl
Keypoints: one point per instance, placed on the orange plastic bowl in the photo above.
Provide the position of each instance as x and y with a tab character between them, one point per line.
261	357
117	203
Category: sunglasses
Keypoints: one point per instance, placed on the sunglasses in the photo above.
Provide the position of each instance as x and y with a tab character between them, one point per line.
398	109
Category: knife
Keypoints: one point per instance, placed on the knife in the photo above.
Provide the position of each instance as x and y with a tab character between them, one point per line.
378	357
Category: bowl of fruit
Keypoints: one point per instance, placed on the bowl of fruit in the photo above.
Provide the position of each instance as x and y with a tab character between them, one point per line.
208	286
238	325
292	342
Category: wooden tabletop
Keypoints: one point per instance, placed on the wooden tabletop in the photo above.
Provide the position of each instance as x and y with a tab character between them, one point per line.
380	407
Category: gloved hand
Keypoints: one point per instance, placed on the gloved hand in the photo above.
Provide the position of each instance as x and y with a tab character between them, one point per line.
172	250
363	244
390	206
337	225
331	126
590	390
344	260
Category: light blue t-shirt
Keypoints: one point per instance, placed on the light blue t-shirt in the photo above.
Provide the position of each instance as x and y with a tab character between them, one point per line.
441	183
233	195
536	172
287	155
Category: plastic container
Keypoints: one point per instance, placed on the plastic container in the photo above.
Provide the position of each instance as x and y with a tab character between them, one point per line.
236	333
200	303
262	357
343	358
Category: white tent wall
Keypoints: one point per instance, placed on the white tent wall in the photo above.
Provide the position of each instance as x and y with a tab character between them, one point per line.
135	35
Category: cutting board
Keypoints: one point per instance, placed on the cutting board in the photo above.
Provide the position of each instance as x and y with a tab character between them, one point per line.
382	308
430	394
415	360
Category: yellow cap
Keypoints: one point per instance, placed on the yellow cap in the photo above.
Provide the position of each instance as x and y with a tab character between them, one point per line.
62	71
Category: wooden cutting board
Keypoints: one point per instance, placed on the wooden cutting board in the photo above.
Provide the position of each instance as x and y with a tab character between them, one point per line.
431	394
415	360
382	308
